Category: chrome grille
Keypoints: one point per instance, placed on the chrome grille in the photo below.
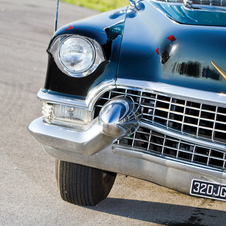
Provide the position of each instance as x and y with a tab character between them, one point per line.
181	115
189	117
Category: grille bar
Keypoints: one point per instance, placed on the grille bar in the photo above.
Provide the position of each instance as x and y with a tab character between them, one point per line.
152	142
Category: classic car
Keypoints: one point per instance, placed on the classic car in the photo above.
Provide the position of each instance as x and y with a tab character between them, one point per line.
139	91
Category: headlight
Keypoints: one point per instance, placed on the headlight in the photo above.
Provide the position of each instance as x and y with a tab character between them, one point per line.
76	56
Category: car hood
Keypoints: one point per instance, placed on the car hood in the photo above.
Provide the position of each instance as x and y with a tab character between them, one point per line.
158	49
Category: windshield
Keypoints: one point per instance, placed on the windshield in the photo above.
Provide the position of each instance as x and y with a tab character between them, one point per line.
197	12
199	2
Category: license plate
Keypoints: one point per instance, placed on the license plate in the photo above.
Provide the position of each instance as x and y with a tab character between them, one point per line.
208	190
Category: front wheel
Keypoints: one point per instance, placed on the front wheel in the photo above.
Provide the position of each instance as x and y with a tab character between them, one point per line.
83	185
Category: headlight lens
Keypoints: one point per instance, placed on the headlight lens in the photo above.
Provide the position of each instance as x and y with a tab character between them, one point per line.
76	54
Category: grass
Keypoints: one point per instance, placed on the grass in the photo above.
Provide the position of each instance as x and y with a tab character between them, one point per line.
100	5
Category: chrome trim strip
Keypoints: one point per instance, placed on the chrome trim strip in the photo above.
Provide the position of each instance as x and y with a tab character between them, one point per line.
176	91
219	69
97	91
168	163
88	104
55	98
182	137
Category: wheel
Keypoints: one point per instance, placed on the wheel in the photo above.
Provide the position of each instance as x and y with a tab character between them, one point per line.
83	185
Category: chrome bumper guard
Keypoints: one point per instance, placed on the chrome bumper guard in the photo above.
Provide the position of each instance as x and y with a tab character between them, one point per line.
117	118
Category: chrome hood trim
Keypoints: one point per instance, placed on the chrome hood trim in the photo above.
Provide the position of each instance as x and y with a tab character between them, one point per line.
88	104
193	94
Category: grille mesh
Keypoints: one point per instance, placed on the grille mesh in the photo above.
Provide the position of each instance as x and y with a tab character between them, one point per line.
191	118
159	144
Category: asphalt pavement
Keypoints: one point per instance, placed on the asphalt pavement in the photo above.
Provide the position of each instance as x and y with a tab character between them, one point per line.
28	190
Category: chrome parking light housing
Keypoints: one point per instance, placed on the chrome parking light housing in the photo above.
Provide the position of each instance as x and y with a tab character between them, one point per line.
65	115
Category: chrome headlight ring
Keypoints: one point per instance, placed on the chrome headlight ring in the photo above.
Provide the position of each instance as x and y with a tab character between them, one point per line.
76	56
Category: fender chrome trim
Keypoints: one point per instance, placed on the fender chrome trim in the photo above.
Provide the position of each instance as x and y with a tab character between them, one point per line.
88	104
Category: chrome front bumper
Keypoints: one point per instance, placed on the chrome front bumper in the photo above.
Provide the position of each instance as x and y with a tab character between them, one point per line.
71	145
174	175
92	145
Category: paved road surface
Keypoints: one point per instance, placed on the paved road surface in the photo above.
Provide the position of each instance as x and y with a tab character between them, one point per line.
28	191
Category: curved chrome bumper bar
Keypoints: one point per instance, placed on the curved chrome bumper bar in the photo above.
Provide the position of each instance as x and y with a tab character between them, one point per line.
171	174
89	139
86	142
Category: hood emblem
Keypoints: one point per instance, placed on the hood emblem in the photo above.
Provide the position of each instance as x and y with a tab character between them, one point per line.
137	6
133	3
220	70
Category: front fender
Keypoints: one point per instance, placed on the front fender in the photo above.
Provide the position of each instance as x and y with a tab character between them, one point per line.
107	30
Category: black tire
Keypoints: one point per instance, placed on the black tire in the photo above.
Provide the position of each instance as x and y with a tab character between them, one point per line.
83	185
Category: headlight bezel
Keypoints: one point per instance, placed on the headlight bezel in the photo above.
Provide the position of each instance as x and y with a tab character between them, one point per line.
99	55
